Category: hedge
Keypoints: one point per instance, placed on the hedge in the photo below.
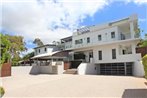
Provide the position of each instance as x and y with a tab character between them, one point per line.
144	61
2	91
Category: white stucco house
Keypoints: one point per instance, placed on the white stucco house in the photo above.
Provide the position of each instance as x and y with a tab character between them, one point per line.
106	49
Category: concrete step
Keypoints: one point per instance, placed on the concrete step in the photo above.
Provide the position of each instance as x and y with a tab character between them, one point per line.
70	71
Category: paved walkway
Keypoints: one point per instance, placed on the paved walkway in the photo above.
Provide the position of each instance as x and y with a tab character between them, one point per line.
74	86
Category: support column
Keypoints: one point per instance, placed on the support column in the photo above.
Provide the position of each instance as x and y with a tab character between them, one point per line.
133	49
125	68
132	30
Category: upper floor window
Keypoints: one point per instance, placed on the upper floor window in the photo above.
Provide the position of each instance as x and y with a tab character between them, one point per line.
39	50
112	34
88	39
80	41
113	53
100	55
99	37
45	49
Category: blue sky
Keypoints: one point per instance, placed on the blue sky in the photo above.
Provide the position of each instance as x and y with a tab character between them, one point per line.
118	10
50	20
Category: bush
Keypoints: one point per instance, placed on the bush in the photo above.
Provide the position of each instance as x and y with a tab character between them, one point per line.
2	91
144	61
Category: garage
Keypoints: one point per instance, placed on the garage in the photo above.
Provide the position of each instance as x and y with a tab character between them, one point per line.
116	68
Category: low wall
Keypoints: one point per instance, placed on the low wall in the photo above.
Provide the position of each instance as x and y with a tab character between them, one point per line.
21	70
138	69
35	69
87	68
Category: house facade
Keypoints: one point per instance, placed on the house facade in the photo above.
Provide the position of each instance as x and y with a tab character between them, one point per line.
107	49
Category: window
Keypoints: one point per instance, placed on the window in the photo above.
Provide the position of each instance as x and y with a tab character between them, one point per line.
113	53
80	41
99	37
112	34
39	50
88	39
100	55
45	49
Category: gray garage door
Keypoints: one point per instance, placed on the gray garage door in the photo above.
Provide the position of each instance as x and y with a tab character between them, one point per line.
116	68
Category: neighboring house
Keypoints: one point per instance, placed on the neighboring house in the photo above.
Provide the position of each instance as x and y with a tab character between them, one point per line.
47	61
107	49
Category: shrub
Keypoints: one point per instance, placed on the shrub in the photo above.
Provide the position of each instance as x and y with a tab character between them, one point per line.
144	61
2	91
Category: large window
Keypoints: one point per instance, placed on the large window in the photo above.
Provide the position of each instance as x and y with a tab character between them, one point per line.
80	41
88	39
99	37
100	55
39	50
113	53
112	34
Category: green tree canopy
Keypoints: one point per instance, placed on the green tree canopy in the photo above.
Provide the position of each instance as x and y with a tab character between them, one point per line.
5	48
13	45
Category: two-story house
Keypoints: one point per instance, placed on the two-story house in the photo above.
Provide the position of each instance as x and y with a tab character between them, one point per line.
107	49
48	59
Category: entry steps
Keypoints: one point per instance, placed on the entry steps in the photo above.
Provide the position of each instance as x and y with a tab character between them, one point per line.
70	71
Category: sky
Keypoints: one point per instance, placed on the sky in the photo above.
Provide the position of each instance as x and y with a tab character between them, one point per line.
51	20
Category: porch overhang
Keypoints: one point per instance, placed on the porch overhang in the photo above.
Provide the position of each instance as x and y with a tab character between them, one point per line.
47	56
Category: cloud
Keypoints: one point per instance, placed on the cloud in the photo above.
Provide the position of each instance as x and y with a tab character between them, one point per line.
142	20
49	19
137	1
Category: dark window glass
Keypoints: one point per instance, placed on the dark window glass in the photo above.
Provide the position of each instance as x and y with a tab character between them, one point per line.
88	39
100	55
80	41
44	49
112	34
39	50
113	53
99	37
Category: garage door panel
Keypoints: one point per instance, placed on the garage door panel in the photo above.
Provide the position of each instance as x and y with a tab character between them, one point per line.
115	69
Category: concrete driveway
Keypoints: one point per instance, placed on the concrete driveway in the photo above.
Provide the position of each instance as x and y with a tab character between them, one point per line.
74	86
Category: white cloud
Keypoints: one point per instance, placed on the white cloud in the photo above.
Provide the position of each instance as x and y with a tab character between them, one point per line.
47	20
134	1
142	20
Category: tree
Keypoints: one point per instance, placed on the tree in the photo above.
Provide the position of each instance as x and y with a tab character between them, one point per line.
17	46
13	45
28	56
5	48
38	42
143	42
144	61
